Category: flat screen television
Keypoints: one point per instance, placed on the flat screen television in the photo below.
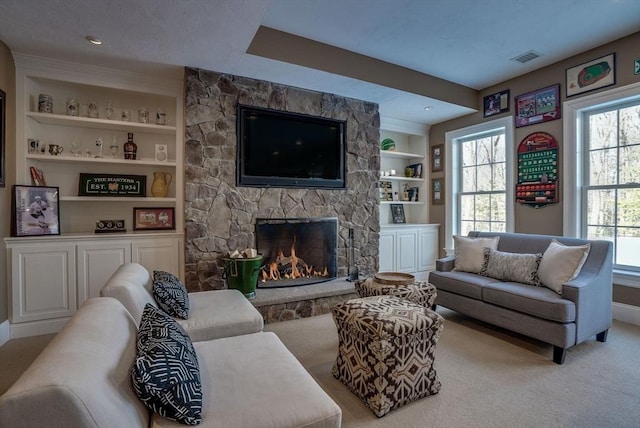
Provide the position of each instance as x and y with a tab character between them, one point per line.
282	149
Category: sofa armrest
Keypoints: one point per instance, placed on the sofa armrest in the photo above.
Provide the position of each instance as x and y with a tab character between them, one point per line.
445	264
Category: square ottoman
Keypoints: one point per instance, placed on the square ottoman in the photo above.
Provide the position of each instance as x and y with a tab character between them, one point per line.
420	292
386	350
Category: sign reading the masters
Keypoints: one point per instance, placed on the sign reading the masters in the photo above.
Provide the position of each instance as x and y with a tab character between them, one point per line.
537	170
112	185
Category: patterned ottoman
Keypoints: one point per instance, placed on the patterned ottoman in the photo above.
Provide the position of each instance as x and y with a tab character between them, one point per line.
420	292
386	350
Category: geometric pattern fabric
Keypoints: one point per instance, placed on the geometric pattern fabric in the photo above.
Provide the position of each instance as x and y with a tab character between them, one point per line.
166	374
420	292
386	349
170	294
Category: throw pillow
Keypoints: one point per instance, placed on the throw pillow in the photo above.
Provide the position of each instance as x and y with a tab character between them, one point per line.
166	374
511	266
469	252
170	294
561	263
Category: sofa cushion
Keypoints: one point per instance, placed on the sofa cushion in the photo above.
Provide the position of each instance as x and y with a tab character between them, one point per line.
469	252
254	381
515	267
165	374
561	263
536	301
464	283
171	294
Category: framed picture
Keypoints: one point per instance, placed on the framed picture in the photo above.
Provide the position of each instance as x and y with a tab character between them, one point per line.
437	157
35	211
496	103
386	191
397	213
112	185
538	106
154	218
437	191
591	75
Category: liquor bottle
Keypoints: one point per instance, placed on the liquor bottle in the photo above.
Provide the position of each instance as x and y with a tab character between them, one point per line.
130	148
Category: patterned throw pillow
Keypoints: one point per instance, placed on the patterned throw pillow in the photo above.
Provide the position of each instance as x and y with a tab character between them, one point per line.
166	374
511	266
170	294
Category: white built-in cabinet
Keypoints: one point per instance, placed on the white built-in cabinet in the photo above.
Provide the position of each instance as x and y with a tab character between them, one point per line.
409	247
51	276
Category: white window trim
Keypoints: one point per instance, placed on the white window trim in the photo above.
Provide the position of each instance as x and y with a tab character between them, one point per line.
572	158
451	179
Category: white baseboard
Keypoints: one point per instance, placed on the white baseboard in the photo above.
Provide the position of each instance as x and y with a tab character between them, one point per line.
626	313
37	328
5	332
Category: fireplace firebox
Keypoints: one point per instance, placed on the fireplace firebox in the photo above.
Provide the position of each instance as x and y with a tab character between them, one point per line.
297	251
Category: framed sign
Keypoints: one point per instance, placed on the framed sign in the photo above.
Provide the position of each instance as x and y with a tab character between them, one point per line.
437	157
538	106
35	211
437	191
154	218
112	185
591	75
496	103
397	213
537	170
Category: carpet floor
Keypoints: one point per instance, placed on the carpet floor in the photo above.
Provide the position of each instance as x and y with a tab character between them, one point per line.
490	377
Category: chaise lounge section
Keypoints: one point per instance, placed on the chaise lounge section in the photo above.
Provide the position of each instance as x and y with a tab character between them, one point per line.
577	310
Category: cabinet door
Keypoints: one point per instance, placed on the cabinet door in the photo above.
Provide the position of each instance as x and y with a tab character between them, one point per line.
43	282
406	245
96	263
427	249
159	254
387	251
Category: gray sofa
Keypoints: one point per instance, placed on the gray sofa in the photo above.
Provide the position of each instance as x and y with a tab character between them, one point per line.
581	310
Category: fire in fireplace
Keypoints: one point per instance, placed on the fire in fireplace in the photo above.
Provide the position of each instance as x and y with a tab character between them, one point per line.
298	251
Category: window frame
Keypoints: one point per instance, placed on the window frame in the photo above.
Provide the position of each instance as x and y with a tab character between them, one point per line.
453	174
574	158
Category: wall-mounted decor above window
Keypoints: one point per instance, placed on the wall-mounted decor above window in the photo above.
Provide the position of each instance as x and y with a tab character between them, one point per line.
591	75
538	106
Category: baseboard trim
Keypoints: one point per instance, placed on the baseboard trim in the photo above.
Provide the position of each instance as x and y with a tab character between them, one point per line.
37	328
626	313
5	332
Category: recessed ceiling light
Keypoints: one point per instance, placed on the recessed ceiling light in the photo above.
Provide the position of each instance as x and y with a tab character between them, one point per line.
427	108
94	40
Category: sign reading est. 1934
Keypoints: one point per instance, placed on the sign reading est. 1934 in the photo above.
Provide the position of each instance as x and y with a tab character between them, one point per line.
112	185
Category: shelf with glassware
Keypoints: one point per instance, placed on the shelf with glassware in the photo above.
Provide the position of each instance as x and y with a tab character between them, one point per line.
75	120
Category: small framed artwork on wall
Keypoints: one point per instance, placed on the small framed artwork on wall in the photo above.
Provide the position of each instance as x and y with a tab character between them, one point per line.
437	157
591	75
437	191
496	103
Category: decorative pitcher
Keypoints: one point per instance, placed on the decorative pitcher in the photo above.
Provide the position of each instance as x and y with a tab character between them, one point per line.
160	185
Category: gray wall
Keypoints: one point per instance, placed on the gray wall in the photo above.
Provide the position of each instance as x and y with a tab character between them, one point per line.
547	220
220	217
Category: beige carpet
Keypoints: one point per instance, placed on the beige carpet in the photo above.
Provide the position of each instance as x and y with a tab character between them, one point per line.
493	378
490	377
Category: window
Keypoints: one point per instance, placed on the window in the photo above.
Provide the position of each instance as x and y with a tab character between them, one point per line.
604	179
480	170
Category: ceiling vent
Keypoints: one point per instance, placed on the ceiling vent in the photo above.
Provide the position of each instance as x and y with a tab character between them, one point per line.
526	57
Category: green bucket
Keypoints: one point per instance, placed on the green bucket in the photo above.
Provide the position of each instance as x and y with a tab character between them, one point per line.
242	274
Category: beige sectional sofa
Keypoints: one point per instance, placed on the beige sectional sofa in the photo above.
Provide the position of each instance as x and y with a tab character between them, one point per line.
561	310
83	378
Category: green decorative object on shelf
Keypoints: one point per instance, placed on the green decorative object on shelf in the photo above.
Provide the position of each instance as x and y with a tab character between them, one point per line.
388	144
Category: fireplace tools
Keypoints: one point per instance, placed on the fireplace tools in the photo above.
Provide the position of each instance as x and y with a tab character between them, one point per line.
351	260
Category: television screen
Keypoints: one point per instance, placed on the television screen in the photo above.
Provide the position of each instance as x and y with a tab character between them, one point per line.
280	149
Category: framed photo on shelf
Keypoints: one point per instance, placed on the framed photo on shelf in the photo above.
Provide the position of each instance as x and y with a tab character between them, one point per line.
386	190
154	218
35	211
397	213
591	75
437	157
542	105
437	191
496	103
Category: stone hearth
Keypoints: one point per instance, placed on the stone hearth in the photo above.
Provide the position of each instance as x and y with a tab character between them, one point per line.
287	303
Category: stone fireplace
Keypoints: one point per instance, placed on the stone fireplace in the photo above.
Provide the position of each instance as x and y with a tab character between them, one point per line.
221	217
297	252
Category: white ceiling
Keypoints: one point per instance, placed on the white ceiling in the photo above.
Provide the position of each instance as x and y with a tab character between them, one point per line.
468	42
